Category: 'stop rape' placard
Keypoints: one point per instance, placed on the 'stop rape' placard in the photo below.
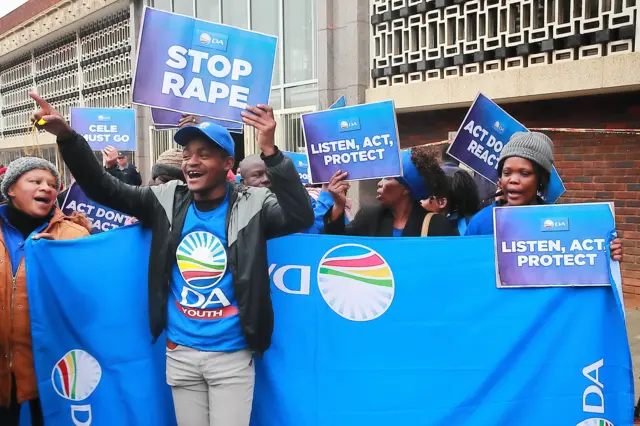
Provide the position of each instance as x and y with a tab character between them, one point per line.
198	67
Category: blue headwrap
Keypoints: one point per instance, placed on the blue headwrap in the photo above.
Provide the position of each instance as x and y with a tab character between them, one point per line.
412	179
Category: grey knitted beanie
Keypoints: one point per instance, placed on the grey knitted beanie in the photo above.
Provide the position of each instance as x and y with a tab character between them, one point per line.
533	146
23	165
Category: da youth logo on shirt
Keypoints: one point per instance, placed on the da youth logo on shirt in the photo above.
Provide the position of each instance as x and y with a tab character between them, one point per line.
202	261
75	377
356	282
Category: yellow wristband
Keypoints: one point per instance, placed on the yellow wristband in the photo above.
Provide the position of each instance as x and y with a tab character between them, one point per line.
41	122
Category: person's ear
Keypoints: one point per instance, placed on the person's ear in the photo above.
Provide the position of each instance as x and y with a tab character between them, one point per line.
228	163
442	203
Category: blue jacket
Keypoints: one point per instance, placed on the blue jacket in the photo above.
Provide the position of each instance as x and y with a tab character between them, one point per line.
321	206
482	222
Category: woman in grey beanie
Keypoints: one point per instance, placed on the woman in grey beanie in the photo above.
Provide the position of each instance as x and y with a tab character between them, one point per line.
30	185
524	167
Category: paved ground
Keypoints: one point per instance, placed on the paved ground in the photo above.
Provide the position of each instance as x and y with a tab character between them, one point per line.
633	331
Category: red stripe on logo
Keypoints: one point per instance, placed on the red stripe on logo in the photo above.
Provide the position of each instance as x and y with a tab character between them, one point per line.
207	314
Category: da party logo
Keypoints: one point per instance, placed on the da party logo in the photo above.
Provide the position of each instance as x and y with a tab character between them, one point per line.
211	40
356	282
350	124
75	377
595	422
202	261
555	224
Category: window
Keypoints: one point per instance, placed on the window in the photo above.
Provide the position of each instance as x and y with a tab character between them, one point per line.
265	18
299	40
298	96
184	7
275	100
235	13
209	10
162	4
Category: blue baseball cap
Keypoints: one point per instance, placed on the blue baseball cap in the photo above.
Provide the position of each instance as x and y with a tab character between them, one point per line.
210	131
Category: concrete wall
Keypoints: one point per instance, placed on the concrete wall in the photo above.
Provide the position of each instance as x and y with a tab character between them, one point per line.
343	64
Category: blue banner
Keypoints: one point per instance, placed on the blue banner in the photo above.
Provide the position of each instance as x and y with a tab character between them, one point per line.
554	245
484	132
368	331
301	161
94	360
201	68
362	140
102	127
102	218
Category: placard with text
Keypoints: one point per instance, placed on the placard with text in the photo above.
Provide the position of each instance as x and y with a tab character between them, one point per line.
555	245
361	140
301	162
485	131
102	127
198	67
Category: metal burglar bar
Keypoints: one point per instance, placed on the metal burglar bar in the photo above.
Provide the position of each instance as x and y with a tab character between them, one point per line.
422	40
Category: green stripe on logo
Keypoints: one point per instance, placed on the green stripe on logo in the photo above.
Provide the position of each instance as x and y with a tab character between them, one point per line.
374	281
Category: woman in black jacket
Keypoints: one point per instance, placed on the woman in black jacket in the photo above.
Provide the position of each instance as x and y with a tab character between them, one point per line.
398	212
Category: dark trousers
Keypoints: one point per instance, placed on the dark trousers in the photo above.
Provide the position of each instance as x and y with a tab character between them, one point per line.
10	416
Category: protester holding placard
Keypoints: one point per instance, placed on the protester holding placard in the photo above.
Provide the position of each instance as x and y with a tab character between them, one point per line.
525	166
399	212
208	273
254	173
30	185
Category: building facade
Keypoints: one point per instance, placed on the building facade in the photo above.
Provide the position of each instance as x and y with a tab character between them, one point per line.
552	64
82	54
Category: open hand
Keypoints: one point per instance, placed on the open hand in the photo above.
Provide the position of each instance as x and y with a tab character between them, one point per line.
338	188
54	122
109	156
261	118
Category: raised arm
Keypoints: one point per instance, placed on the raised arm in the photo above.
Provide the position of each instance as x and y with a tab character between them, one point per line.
97	184
288	210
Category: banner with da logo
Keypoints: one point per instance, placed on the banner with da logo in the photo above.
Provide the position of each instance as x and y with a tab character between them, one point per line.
361	140
301	161
484	132
102	218
413	331
94	360
164	119
102	127
201	68
555	245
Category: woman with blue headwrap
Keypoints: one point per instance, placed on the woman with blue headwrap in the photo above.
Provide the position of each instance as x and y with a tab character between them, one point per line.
398	212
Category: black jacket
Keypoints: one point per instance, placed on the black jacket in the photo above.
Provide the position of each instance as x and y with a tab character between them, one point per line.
128	175
377	221
254	216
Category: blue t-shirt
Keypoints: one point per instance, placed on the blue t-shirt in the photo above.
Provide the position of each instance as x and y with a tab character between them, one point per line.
14	241
482	222
203	312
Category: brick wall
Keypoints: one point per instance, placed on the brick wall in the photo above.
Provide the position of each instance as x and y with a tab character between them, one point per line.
23	13
594	167
606	168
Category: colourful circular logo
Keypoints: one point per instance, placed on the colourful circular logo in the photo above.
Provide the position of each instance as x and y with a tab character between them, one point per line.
202	259
356	282
595	422
76	375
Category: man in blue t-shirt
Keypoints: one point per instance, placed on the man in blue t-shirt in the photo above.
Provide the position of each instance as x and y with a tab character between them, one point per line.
208	273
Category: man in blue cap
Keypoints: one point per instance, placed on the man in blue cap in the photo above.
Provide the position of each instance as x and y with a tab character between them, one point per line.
208	273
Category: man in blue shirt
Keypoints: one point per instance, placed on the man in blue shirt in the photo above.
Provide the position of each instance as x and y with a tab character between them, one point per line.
208	274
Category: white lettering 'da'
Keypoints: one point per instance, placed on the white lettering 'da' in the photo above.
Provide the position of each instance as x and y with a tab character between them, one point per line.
595	405
278	278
